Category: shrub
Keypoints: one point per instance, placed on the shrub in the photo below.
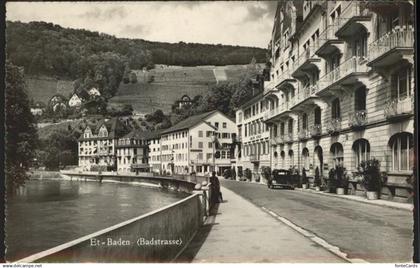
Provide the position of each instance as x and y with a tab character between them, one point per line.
341	177
248	174
317	179
266	172
227	173
371	176
332	180
303	177
240	173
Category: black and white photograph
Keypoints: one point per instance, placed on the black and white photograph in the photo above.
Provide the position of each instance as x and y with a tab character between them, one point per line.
210	132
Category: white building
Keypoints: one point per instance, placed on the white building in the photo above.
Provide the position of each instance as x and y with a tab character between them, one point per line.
190	146
94	92
253	147
75	101
97	145
154	152
342	89
132	152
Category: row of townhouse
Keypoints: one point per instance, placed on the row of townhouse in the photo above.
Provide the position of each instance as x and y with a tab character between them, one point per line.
340	90
200	144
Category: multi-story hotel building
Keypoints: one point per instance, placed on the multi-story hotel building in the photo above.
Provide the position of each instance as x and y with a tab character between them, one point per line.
190	145
341	88
97	145
253	151
154	152
132	152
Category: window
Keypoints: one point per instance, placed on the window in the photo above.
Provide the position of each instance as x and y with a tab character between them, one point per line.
200	144
209	156
216	124
360	45
361	151
200	133
335	109
401	84
224	124
208	134
290	126
360	99
223	155
200	156
317	116
402	148
337	154
291	158
304	121
305	158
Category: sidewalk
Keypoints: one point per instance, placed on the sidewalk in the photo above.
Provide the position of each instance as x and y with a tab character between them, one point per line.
242	232
378	202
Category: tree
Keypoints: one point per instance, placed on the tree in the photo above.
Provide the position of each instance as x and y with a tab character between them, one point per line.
21	133
133	78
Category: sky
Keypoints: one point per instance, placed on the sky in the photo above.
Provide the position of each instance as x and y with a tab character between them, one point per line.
230	23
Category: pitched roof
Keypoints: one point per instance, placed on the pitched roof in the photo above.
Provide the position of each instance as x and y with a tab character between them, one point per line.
189	122
83	94
115	127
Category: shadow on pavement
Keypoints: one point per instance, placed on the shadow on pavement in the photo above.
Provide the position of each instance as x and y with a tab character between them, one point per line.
191	251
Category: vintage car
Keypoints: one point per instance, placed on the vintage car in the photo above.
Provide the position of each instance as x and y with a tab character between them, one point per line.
282	178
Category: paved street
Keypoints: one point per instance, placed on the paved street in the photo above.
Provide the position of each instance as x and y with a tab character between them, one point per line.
363	231
242	232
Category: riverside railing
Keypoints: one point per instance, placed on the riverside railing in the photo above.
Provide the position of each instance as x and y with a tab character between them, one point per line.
399	37
158	236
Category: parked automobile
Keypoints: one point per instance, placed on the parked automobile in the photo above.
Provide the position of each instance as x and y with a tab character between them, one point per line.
282	178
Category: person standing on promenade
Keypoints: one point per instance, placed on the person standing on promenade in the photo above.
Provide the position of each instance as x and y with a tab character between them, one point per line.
216	195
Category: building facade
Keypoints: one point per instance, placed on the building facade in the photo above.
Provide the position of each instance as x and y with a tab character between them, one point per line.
132	152
154	153
341	88
97	145
253	146
191	145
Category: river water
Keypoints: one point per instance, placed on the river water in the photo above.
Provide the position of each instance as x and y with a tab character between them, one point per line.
47	213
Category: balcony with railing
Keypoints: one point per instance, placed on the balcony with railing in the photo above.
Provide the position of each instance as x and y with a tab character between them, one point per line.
273	142
333	126
278	111
350	72
315	130
269	86
285	79
358	119
303	134
305	99
253	158
280	139
390	48
399	108
288	138
354	14
307	60
327	42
